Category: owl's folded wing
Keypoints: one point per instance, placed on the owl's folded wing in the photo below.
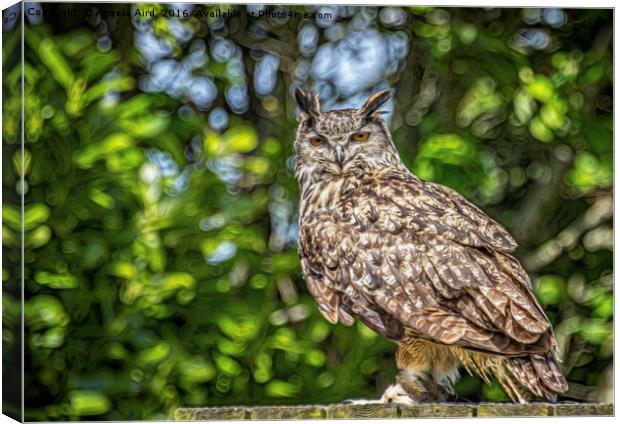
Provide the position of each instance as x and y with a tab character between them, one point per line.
434	286
465	215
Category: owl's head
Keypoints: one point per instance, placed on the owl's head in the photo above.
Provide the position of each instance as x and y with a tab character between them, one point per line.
340	142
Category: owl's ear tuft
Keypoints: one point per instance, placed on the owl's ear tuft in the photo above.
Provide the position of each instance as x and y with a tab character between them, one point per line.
308	102
375	101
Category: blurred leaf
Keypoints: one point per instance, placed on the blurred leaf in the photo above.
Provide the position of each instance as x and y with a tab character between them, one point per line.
523	106
589	173
108	86
52	57
122	269
44	311
540	131
196	370
95	64
241	138
77	42
154	355
226	364
84	403
101	198
553	113
446	148
56	281
86	157
605	308
278	388
241	328
595	331
147	126
550	289
11	216
35	214
540	88
38	237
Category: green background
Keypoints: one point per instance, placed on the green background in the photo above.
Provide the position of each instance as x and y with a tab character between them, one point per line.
160	259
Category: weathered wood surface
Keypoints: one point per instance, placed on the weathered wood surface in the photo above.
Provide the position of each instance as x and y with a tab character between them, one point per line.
380	410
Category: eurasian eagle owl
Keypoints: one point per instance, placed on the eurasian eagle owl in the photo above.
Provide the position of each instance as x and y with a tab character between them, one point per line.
415	262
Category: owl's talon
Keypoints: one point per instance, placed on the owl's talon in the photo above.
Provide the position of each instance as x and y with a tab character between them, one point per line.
396	394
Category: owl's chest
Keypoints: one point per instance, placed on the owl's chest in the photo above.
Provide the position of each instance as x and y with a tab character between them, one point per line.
360	204
330	196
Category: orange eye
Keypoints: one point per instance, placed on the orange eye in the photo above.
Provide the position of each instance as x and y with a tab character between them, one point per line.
360	136
317	141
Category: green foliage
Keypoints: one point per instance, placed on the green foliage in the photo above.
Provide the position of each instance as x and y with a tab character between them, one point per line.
147	289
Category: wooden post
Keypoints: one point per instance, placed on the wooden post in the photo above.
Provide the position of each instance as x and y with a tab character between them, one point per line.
382	410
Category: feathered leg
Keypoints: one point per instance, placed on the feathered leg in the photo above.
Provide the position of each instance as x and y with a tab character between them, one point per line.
520	376
426	372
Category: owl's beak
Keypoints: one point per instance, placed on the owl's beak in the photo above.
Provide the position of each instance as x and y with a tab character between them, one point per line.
339	155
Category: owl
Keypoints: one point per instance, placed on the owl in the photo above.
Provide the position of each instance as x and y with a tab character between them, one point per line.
415	262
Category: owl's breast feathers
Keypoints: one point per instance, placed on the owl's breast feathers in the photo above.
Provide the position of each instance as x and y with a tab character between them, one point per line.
409	257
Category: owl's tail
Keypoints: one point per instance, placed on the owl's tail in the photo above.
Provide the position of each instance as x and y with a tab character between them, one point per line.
539	374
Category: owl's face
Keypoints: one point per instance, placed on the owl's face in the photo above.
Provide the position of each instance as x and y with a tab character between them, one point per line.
343	141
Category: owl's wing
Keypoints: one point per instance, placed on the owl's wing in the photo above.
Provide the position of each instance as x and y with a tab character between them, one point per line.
460	220
436	270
